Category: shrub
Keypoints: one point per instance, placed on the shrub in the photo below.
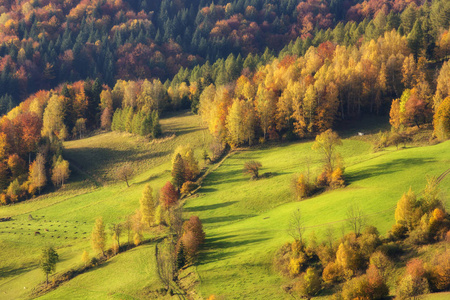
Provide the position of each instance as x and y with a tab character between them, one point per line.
252	168
368	242
326	254
391	249
295	265
381	141
410	287
377	283
347	257
303	187
440	272
188	187
324	178
398	232
418	236
382	263
337	178
310	284
414	282
332	273
356	288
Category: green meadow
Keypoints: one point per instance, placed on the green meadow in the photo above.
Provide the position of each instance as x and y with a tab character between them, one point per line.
65	218
245	221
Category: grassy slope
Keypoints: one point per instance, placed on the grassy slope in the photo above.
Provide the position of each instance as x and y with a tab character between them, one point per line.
246	221
70	213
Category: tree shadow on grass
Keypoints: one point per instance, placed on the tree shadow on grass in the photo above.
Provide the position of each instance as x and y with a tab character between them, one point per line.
209	207
386	168
6	272
99	160
207	190
221	219
213	246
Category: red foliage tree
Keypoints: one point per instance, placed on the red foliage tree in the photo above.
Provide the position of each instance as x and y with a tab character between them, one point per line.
168	196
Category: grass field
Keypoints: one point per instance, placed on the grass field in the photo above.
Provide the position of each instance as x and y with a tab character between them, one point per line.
69	214
245	221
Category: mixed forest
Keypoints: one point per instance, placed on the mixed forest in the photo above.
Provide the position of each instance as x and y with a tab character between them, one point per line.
256	74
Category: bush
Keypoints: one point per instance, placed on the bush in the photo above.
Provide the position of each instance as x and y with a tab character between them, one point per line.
337	178
348	258
382	263
303	187
368	242
414	282
356	288
440	272
398	232
252	168
295	265
410	287
377	283
188	187
332	273
311	283
381	141
391	249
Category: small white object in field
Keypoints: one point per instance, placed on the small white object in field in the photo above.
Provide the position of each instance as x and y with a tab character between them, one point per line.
360	133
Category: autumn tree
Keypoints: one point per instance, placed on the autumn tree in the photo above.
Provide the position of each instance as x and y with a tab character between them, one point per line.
234	123
49	258
124	173
190	166
296	226
414	283
60	171
193	236
408	210
53	117
168	196
252	168
441	120
116	232
311	283
106	118
356	219
178	171
265	107
147	206
85	258
98	236
37	177
326	143
16	165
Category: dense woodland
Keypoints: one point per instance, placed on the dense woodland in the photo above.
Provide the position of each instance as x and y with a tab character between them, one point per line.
46	43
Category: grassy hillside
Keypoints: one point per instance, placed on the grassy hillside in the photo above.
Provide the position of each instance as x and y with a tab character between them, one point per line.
246	221
69	214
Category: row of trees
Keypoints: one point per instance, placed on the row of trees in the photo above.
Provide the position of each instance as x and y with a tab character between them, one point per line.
364	260
304	96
